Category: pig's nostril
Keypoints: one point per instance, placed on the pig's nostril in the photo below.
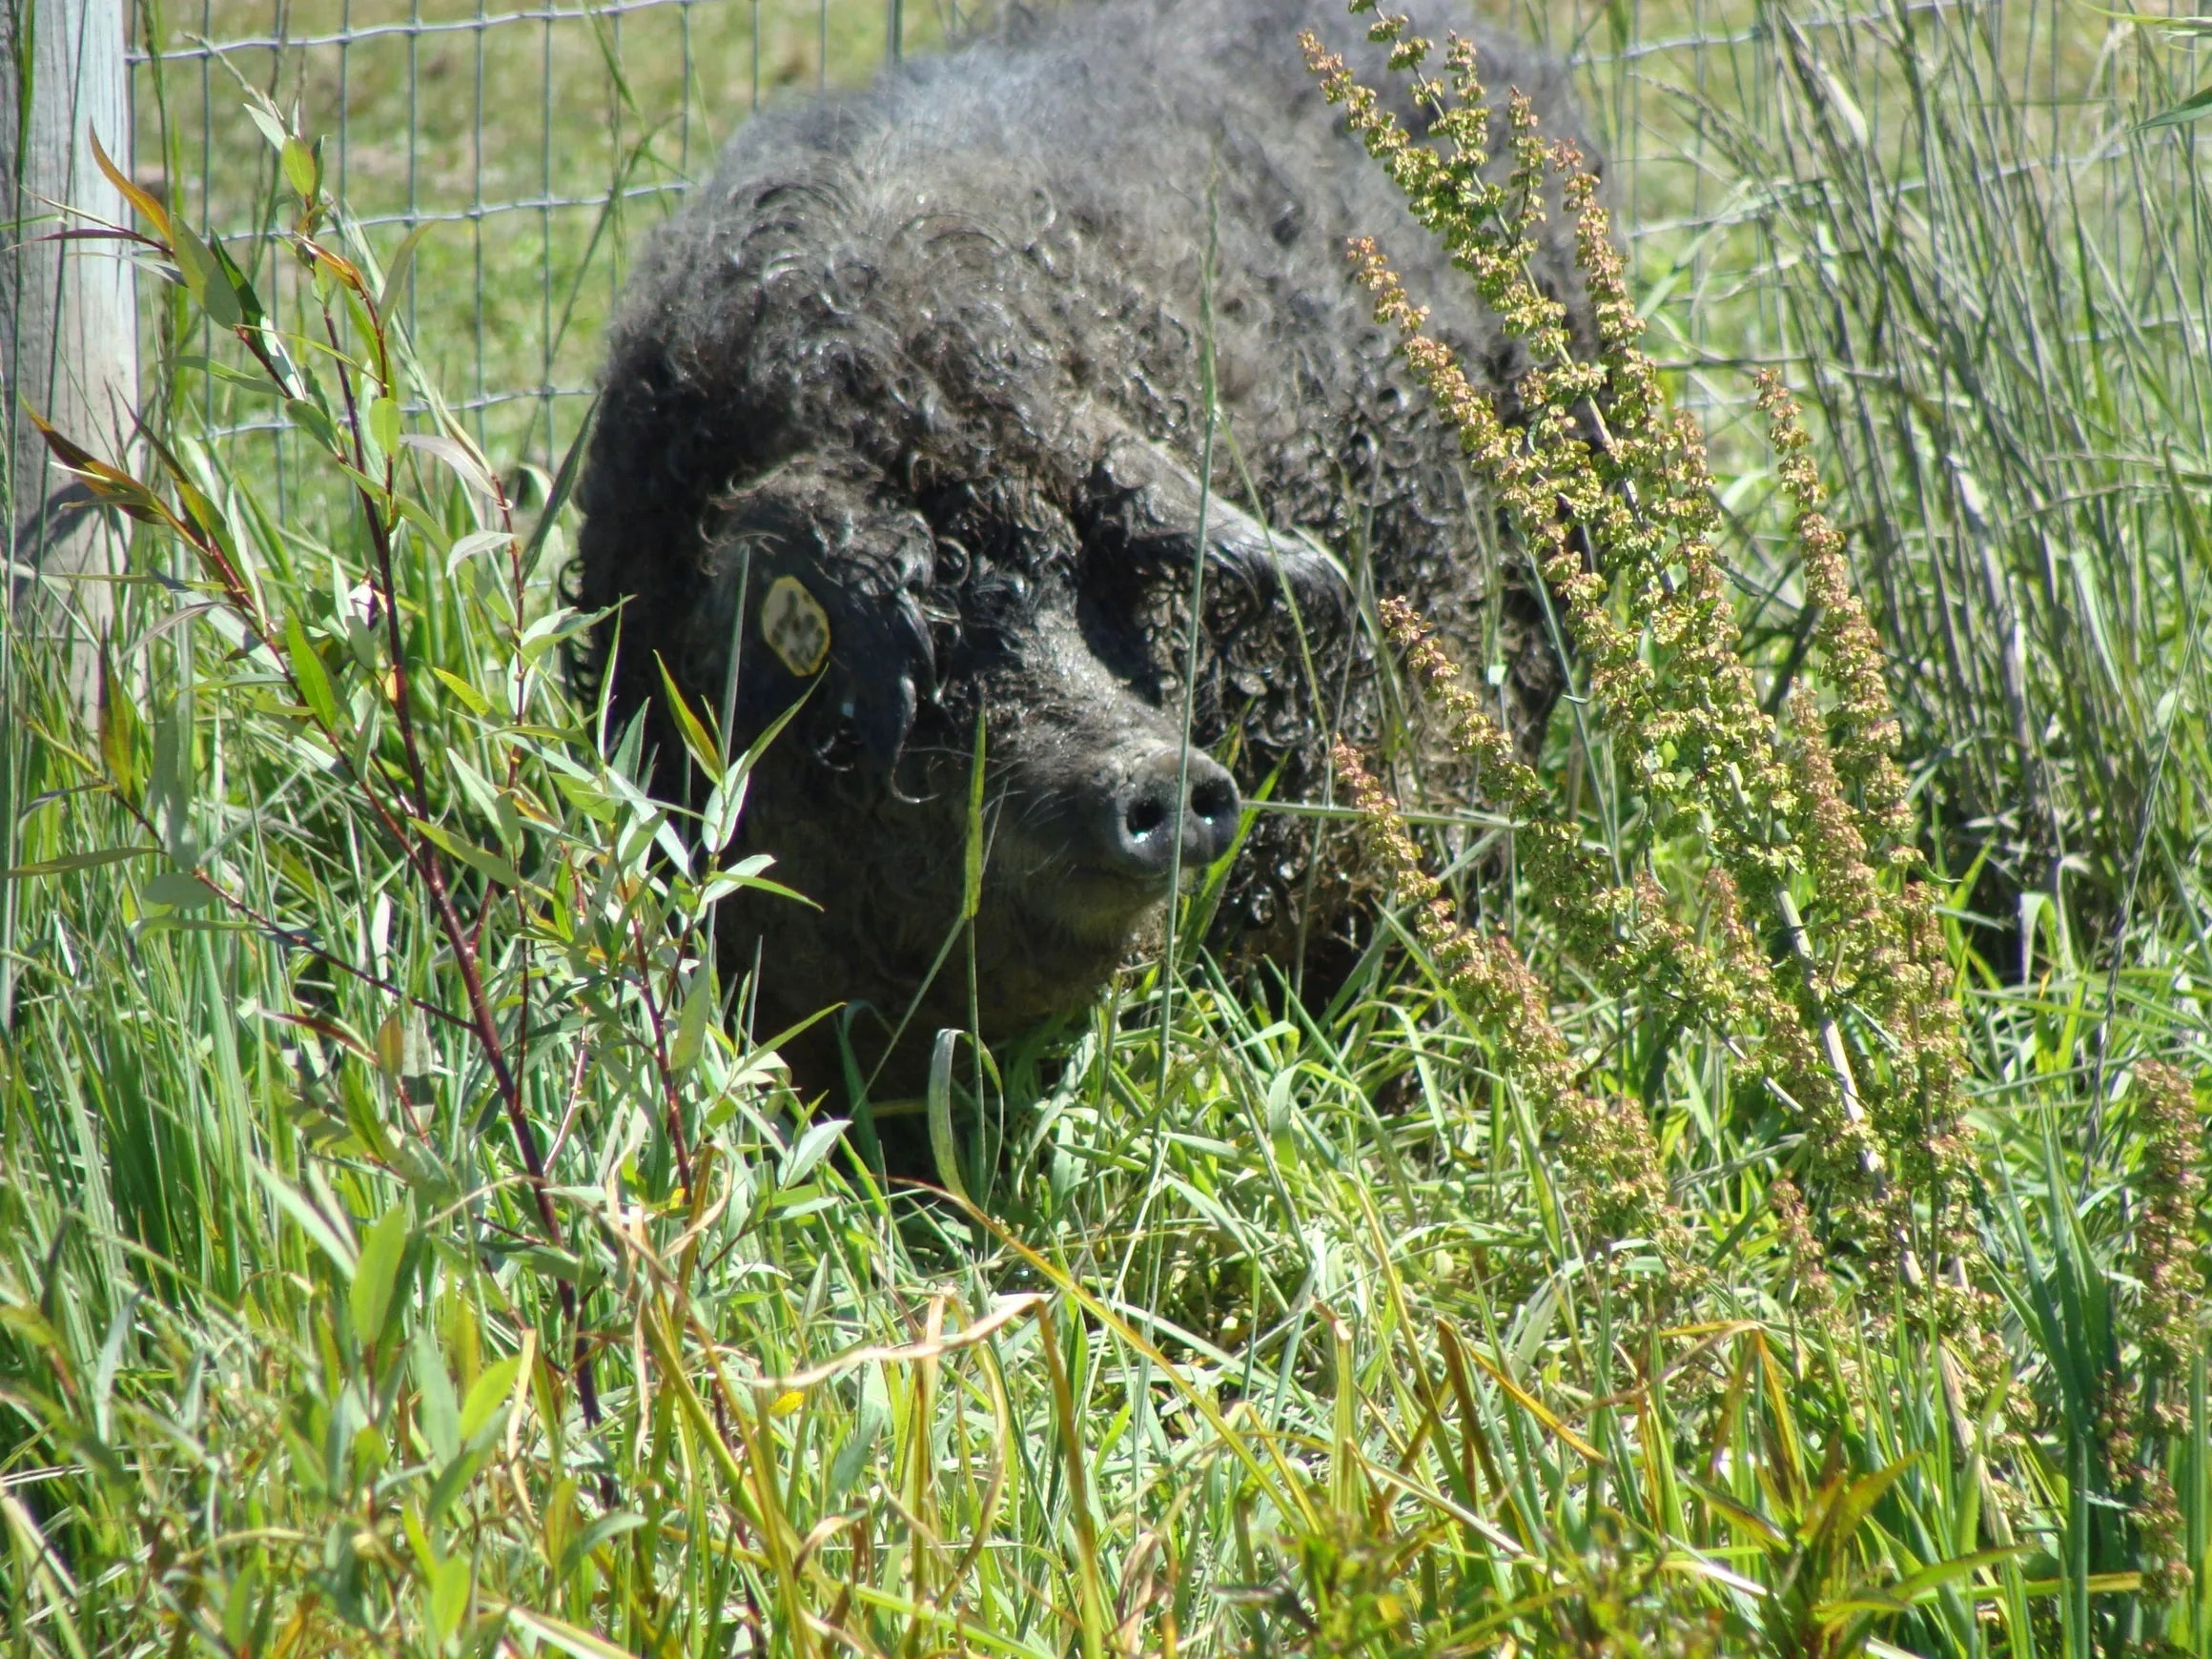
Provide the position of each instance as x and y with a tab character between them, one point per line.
1210	825
1214	799
1142	843
1145	817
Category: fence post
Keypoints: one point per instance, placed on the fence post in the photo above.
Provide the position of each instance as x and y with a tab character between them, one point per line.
68	310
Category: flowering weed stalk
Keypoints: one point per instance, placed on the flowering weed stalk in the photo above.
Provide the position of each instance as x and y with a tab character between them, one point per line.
2145	1422
1803	934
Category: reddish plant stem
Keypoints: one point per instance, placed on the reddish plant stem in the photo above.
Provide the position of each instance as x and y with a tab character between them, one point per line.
674	1105
481	1021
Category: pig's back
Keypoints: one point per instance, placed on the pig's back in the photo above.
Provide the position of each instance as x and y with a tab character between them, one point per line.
946	267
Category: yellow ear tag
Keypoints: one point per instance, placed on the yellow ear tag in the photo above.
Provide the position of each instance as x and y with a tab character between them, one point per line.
795	626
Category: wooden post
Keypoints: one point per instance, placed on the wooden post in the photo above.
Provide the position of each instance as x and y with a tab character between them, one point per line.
69	325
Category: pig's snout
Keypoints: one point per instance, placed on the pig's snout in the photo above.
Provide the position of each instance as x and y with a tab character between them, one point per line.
1140	820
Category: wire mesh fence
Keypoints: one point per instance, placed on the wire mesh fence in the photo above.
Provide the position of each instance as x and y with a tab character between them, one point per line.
534	145
537	143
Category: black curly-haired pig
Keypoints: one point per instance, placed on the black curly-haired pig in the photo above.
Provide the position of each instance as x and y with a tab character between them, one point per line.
904	415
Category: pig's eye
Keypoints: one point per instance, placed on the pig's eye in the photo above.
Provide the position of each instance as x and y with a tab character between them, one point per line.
1138	575
1128	621
998	606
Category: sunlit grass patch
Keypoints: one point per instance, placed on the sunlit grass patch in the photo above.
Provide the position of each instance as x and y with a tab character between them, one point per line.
406	1246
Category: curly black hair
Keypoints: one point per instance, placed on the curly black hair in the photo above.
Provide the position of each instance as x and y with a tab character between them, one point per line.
936	352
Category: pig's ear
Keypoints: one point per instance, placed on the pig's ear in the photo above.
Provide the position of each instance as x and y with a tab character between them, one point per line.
835	580
1136	508
882	668
865	656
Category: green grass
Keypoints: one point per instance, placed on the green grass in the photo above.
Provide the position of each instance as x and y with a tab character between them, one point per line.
2002	279
1278	1330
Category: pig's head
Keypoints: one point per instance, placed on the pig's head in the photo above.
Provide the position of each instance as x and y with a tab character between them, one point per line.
904	623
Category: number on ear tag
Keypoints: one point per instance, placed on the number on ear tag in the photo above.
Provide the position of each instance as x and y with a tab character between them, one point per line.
795	626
